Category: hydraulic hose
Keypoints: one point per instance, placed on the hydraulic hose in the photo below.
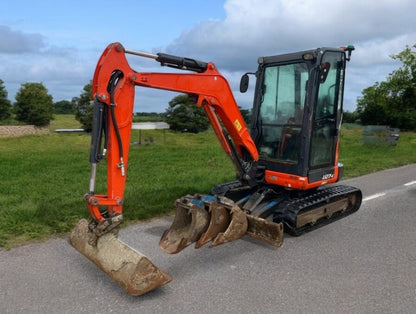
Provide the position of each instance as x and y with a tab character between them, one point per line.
111	86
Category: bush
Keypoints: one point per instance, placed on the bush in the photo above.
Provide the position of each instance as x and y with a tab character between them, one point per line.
64	107
33	104
5	105
350	117
84	108
185	116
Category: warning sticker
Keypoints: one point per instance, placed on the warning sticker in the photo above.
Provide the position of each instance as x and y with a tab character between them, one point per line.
237	125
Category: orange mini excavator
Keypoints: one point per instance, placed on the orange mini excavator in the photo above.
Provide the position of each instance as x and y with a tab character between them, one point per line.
286	163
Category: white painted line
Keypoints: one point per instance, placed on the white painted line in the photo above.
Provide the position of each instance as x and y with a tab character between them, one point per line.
371	197
410	183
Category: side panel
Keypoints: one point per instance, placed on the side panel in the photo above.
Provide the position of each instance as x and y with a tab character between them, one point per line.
302	183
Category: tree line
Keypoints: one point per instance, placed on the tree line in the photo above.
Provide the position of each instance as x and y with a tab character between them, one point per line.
182	114
391	102
33	105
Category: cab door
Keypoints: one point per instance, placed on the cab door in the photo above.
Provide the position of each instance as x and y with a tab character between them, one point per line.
327	116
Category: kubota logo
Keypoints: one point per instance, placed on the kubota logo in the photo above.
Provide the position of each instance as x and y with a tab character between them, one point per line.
327	176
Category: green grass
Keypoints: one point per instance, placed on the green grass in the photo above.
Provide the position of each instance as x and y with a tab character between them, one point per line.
44	178
64	121
360	159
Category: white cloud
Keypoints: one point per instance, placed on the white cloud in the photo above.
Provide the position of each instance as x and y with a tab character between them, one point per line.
18	42
255	28
252	28
28	57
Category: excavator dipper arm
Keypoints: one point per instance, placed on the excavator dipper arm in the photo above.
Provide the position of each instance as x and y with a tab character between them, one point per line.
113	95
113	92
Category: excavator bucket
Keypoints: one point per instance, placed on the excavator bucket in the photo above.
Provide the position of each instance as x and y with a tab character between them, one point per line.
236	229
129	268
205	218
265	230
190	222
220	220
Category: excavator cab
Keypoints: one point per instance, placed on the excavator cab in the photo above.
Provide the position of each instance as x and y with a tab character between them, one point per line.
297	117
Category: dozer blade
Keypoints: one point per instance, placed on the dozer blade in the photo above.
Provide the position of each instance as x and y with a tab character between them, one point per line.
190	222
129	268
236	229
220	220
264	230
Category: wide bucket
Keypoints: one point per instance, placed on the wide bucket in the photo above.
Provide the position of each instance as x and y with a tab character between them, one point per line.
129	268
265	230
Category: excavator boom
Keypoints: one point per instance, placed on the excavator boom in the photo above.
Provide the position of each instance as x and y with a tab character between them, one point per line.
113	93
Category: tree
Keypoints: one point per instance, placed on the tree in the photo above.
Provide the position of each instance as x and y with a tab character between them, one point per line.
33	104
371	107
246	113
185	116
5	105
84	107
392	102
149	117
64	107
350	117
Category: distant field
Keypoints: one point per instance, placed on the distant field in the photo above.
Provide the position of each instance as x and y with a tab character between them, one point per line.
64	121
359	159
44	178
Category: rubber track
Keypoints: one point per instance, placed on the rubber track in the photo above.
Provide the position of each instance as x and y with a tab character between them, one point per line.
289	209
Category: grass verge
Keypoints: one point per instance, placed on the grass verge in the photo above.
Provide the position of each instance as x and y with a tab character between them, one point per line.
360	159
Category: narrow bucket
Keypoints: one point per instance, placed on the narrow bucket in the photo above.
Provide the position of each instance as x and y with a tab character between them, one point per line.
220	220
130	269
236	229
190	222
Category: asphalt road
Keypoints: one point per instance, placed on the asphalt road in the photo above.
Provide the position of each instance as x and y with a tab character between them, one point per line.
365	263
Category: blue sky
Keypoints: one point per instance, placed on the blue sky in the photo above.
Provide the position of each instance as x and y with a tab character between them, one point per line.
59	42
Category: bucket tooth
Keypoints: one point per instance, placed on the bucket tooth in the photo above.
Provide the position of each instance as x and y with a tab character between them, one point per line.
220	220
129	268
190	222
265	230
236	229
